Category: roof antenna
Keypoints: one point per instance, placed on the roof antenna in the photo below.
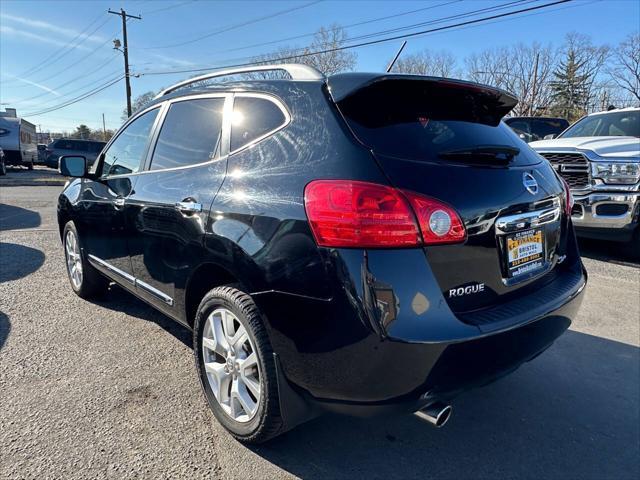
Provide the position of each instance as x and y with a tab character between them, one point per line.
392	63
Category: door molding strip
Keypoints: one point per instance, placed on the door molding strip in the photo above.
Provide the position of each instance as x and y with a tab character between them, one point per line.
130	279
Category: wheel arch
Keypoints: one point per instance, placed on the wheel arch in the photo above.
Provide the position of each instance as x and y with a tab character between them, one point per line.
204	278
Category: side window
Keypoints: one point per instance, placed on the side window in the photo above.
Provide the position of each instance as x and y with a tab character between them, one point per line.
190	133
252	118
125	153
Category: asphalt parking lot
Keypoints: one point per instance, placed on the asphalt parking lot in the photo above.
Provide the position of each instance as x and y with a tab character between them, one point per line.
108	389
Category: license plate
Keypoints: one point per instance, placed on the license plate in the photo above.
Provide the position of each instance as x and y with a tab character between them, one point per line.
525	252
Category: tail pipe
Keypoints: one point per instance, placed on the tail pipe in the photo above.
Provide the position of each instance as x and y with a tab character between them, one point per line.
437	414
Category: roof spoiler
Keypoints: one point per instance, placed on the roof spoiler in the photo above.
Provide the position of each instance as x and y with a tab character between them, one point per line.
496	102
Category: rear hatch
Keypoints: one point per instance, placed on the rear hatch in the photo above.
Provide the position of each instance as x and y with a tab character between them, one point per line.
445	139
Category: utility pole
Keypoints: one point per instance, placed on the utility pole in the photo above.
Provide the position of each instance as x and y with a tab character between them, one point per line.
533	88
104	129
125	51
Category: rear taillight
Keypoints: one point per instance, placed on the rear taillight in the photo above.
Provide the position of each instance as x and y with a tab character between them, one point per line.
568	197
439	222
345	213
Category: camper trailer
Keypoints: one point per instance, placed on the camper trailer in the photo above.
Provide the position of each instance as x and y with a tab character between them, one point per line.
18	140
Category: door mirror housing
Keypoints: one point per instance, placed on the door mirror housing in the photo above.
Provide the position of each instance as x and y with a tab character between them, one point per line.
551	136
73	166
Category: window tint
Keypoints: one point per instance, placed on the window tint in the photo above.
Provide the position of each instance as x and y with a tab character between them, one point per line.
190	133
252	118
126	151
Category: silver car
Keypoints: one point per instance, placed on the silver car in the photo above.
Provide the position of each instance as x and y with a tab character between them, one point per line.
90	149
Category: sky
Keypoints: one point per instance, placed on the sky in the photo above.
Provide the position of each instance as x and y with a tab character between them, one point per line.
52	52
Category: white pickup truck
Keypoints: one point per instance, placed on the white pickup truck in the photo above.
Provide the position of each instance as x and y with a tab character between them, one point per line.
599	157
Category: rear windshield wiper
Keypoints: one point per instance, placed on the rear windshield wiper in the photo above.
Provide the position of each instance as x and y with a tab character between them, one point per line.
482	153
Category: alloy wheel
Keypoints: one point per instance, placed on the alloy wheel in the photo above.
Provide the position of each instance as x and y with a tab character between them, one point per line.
231	365
74	261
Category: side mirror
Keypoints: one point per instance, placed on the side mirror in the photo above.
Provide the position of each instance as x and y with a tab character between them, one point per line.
73	166
551	136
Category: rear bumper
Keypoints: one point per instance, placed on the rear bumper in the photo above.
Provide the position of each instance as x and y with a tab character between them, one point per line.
605	215
370	350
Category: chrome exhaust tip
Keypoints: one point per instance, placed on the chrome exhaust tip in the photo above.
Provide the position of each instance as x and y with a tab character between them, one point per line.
437	414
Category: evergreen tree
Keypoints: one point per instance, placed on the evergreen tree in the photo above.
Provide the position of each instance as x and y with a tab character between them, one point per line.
570	87
83	132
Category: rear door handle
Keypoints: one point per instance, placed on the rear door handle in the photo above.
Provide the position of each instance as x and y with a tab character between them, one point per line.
188	207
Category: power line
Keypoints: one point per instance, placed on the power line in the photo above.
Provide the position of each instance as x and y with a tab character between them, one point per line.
75	79
237	25
151	12
408	27
65	50
77	99
364	44
379	19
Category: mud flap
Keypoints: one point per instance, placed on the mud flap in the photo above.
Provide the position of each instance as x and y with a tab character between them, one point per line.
294	409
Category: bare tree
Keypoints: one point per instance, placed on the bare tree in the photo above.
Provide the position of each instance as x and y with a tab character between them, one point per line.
625	65
524	70
426	62
329	60
138	104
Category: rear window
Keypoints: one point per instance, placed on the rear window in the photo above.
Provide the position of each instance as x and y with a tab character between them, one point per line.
545	127
66	145
421	120
253	118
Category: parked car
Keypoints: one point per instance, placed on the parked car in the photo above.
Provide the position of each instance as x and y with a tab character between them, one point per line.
599	157
42	153
3	166
71	146
18	141
531	129
361	243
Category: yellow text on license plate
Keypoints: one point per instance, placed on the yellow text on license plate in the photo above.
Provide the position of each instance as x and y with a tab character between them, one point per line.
524	249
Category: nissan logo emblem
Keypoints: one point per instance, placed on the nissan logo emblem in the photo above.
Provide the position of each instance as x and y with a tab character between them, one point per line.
529	183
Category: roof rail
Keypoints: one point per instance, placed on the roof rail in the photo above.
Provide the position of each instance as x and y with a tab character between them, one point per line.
297	71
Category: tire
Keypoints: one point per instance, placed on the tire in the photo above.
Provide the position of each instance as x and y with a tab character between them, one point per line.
239	310
30	165
85	280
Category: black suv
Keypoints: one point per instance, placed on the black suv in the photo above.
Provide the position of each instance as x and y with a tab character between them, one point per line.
360	243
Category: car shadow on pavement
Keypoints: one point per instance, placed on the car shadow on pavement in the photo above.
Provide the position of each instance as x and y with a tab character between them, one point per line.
571	413
17	261
17	218
5	328
120	300
606	251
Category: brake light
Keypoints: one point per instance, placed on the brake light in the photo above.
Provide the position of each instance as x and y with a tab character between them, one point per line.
345	213
568	196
